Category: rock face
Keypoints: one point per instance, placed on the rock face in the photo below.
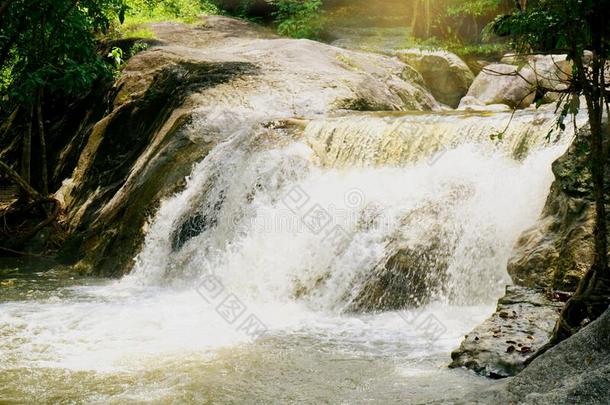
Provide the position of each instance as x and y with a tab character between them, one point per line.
577	371
503	84
522	323
414	269
192	90
557	251
445	74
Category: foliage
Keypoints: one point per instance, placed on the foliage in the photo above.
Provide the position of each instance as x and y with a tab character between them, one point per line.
473	8
141	11
52	44
116	55
299	18
455	20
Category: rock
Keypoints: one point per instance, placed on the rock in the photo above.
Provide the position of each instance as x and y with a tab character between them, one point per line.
551	71
558	250
523	322
410	277
576	371
414	268
470	103
177	100
504	84
446	75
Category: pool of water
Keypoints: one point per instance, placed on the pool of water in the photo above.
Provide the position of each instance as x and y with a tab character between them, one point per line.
65	339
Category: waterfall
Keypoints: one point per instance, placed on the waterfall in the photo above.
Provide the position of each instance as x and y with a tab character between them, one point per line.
315	217
292	236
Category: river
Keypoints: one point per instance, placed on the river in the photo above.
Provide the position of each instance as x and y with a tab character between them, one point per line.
247	286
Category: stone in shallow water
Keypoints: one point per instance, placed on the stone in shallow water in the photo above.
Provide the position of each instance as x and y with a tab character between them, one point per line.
576	371
522	323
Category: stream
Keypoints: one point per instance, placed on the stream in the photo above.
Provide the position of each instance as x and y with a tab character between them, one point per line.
245	288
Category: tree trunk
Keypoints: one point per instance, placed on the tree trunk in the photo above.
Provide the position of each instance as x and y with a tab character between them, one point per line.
24	185
43	144
26	148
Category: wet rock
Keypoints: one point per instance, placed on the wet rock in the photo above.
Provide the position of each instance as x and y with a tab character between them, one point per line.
470	103
522	323
577	371
558	250
174	102
409	278
446	75
414	269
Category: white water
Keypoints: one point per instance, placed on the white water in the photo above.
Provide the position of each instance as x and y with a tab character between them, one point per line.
254	193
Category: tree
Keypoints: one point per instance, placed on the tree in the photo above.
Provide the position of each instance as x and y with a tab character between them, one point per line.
579	29
454	19
48	49
48	52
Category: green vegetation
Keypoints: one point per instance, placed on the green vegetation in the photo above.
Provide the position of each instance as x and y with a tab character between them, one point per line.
48	50
455	20
143	11
461	27
299	18
578	28
138	13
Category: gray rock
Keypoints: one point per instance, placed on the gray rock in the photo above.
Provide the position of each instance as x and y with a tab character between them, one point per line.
446	75
522	323
558	250
504	84
577	371
470	103
551	71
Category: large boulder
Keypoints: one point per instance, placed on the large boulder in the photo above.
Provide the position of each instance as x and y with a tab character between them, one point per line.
518	80
503	84
174	102
446	75
552	71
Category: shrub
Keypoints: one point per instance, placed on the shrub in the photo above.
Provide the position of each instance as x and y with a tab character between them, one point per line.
299	18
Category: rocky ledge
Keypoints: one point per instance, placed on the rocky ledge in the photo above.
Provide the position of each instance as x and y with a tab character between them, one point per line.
522	323
577	371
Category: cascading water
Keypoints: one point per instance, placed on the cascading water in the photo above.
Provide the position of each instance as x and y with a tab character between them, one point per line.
278	219
291	233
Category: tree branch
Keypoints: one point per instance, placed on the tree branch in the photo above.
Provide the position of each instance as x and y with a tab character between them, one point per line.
24	185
